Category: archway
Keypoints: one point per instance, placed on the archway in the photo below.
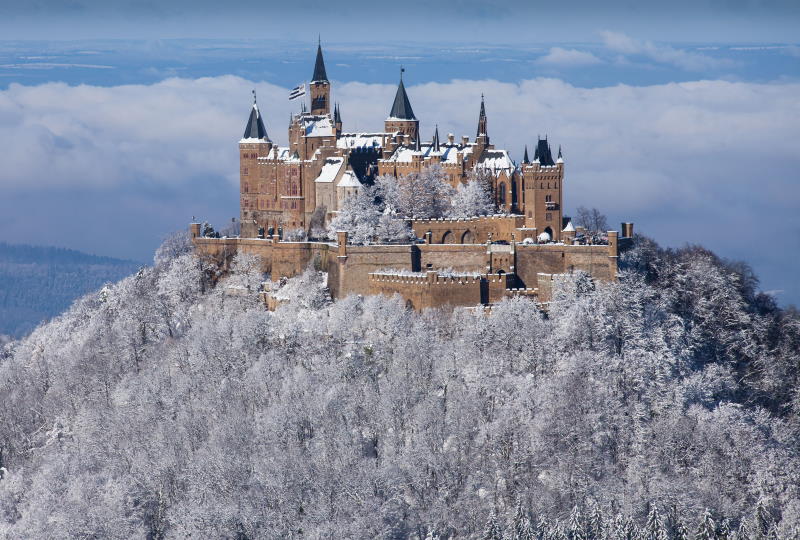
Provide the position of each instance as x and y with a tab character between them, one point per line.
549	231
448	238
467	237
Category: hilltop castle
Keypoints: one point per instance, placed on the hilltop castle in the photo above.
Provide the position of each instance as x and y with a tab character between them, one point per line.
487	257
281	187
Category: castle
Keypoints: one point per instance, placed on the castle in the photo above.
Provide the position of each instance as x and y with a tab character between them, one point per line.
490	257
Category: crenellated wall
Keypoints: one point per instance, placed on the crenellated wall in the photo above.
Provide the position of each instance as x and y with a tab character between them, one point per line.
505	269
474	230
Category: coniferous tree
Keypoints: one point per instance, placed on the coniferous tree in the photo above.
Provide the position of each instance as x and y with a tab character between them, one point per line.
706	529
492	530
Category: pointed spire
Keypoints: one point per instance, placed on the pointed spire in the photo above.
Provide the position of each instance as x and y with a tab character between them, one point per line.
559	152
482	121
319	66
255	124
525	159
435	141
337	117
401	108
543	152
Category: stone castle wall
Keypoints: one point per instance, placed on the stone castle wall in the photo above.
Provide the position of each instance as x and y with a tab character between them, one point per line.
473	230
504	269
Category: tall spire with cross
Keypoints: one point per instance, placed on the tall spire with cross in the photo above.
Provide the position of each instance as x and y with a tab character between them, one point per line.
482	130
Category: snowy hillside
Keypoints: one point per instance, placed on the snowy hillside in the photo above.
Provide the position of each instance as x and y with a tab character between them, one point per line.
37	283
662	406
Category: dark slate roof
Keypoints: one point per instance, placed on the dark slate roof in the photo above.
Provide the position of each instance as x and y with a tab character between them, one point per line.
435	141
319	67
337	116
401	108
525	157
543	152
255	126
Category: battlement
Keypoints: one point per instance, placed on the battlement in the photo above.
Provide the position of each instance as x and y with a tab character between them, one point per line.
437	288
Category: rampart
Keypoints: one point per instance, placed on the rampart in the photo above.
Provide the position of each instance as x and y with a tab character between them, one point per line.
432	289
474	230
425	274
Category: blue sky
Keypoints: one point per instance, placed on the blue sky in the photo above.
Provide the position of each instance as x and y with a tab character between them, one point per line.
120	119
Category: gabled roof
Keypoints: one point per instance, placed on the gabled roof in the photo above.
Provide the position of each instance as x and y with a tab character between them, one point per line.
330	170
349	179
255	126
401	108
319	67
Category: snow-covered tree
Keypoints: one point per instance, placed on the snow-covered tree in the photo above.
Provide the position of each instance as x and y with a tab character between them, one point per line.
426	194
471	199
368	219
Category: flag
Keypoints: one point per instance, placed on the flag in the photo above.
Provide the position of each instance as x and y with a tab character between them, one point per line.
297	91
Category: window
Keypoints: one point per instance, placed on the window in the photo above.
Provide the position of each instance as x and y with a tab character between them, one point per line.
548	216
246	187
548	198
245	172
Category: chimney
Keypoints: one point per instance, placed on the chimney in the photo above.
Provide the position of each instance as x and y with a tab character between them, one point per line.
451	138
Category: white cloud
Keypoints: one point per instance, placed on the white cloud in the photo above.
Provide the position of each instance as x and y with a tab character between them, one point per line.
558	56
663	54
711	162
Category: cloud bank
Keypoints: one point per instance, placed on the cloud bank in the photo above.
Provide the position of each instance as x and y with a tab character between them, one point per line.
111	170
559	56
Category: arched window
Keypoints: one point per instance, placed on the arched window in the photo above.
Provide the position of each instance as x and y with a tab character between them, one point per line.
501	196
448	238
467	237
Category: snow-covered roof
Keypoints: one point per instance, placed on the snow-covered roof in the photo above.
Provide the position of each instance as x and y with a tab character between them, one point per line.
349	179
279	152
360	140
569	227
496	161
330	169
317	126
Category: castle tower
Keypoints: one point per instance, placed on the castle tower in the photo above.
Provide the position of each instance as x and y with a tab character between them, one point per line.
544	188
401	117
320	87
255	144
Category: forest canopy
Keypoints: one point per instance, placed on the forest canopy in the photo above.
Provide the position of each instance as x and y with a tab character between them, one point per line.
663	405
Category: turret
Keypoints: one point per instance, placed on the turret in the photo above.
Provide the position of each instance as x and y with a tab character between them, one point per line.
337	118
525	160
320	86
401	117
